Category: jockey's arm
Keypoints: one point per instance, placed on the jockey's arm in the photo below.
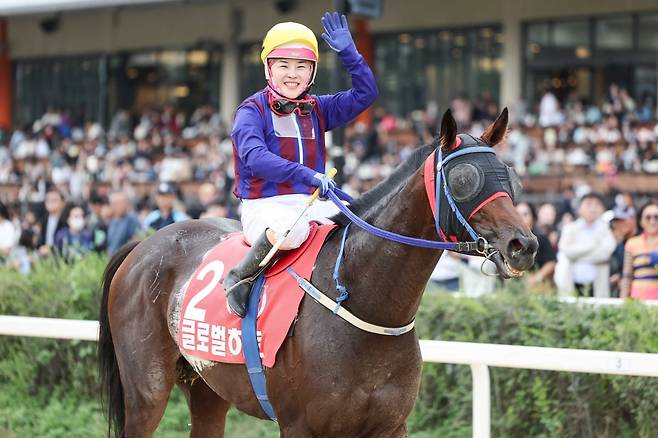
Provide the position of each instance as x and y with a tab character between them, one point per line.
344	106
258	159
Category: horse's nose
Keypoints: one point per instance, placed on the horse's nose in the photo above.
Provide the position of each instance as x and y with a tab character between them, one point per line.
521	250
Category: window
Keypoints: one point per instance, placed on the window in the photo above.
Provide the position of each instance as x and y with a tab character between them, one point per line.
188	78
571	33
416	68
584	55
648	30
68	83
538	33
615	33
537	38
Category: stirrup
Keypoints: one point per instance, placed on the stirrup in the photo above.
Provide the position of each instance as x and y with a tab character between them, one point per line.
250	279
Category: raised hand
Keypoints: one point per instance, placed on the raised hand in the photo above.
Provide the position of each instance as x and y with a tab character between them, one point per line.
337	32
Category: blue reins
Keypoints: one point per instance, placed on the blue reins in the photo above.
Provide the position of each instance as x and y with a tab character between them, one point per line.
479	243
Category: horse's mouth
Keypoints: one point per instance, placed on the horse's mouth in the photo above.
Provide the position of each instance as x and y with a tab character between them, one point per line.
505	270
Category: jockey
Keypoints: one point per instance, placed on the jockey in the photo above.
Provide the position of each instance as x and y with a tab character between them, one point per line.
278	142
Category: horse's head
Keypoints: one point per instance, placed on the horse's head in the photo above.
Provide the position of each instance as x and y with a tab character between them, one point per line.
483	190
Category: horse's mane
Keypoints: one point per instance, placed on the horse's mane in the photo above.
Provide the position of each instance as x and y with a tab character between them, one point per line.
402	172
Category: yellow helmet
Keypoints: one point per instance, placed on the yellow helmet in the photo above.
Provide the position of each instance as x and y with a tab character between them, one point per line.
290	40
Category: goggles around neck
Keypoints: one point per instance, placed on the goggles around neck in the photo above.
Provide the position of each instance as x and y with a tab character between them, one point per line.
283	107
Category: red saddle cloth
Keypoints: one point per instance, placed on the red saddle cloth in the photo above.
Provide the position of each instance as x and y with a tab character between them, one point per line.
208	330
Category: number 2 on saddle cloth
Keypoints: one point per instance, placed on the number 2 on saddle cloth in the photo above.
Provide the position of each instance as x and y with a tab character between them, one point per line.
207	328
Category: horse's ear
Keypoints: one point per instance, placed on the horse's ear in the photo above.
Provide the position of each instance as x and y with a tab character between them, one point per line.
497	131
448	133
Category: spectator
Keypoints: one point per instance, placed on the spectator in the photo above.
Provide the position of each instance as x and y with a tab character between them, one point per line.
545	258
622	223
215	210
546	222
165	214
124	224
478	276
549	111
22	255
584	250
640	276
207	194
447	271
120	125
74	240
30	222
462	111
101	215
625	206
9	234
53	221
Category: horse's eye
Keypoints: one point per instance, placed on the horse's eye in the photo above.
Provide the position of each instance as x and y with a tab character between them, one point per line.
516	187
465	181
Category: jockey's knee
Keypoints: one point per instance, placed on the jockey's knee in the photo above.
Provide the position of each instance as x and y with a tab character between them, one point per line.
296	237
277	219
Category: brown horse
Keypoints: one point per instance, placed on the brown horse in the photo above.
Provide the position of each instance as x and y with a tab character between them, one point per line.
330	379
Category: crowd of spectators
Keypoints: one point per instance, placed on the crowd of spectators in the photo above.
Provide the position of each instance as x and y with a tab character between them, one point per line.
71	188
585	249
84	187
618	136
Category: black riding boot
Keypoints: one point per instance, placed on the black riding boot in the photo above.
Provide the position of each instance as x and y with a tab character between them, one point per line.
238	295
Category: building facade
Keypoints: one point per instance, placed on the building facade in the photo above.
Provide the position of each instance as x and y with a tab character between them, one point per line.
94	61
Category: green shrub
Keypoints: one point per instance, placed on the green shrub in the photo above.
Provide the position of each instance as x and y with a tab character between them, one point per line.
539	403
48	388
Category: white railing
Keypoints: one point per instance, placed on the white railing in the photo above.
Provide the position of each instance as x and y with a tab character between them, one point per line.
590	301
602	301
49	328
479	356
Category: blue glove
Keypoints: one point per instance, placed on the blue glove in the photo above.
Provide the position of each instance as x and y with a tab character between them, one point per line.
337	31
324	183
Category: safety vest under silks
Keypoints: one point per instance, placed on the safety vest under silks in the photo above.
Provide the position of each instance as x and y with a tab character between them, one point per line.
278	155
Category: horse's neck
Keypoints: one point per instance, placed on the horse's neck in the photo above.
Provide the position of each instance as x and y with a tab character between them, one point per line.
386	279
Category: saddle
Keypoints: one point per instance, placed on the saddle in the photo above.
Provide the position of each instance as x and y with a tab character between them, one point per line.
207	328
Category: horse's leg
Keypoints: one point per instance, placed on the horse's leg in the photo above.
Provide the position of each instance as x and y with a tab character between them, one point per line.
207	409
147	358
148	377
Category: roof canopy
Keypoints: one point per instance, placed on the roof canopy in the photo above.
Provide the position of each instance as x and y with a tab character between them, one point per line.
20	7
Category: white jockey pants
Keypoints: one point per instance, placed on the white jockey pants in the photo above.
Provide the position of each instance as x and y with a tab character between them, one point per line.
279	213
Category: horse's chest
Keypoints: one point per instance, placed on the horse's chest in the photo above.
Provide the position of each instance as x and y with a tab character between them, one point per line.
369	404
368	380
